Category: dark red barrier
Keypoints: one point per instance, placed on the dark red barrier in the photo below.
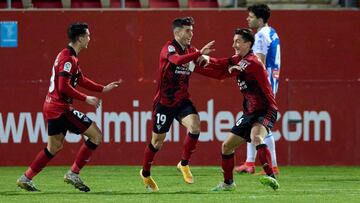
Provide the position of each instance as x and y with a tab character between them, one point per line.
318	95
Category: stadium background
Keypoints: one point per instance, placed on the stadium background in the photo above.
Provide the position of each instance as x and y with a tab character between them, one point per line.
318	92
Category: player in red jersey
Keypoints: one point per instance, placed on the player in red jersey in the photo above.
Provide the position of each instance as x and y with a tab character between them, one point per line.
172	99
61	116
260	108
267	48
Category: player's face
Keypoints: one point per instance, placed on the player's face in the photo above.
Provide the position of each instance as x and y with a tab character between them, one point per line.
240	46
253	21
185	34
85	39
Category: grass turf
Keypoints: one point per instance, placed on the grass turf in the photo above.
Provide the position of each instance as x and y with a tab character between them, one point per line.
123	184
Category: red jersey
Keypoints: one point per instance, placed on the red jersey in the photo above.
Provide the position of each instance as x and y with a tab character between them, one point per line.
66	74
253	81
174	74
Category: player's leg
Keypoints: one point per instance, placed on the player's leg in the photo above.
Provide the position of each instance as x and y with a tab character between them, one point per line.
192	124
228	161
151	149
270	142
249	165
162	119
94	136
258	133
56	132
79	123
269	139
189	118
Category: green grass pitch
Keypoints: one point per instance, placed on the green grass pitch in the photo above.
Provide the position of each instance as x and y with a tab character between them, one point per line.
123	184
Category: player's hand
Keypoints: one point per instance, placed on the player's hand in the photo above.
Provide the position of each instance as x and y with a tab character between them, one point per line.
207	48
203	60
112	85
235	67
93	101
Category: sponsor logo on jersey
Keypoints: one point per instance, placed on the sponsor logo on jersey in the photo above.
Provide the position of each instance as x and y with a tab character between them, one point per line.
241	84
158	126
171	48
67	66
183	69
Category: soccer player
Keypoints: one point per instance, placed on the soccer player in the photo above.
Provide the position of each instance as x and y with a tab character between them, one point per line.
267	48
259	106
60	114
172	99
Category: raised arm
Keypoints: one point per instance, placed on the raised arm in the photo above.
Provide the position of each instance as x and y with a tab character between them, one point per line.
177	59
218	68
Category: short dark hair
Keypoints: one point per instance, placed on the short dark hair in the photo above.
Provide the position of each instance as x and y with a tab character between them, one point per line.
76	29
180	22
260	11
246	34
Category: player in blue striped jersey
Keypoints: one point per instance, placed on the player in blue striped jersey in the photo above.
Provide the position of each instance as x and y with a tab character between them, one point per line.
267	48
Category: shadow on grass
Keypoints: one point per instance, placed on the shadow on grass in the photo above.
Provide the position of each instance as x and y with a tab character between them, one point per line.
25	193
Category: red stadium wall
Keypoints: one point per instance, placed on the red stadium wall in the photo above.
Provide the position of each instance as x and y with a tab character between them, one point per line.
318	94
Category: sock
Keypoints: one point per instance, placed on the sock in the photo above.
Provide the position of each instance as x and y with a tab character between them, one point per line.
189	147
149	155
270	142
83	156
227	165
250	153
265	158
40	161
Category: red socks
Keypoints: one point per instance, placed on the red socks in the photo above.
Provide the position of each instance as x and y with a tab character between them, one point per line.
227	164
149	155
265	158
83	156
40	161
189	147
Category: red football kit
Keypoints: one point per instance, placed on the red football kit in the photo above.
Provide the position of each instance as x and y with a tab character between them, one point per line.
66	74
174	73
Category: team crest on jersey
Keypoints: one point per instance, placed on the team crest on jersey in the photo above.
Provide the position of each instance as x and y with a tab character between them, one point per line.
243	64
158	126
171	48
67	66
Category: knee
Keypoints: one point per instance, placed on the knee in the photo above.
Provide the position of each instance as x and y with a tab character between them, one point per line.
157	143
95	135
194	128
55	148
98	138
256	140
226	148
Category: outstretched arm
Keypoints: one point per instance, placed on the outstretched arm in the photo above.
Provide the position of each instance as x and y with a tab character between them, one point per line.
218	68
112	85
90	85
177	59
219	72
67	89
182	59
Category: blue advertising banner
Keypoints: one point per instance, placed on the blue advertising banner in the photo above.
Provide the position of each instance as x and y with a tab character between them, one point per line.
8	33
